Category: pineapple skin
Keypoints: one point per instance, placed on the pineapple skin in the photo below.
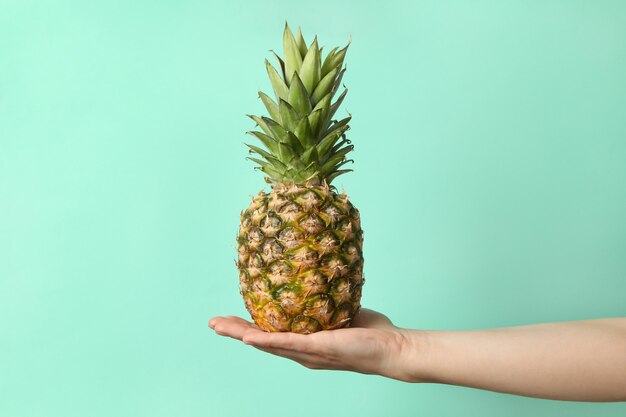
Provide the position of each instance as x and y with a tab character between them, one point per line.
300	259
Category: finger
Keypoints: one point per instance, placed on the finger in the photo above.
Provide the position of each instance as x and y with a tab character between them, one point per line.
232	327
213	320
304	359
281	340
239	320
233	318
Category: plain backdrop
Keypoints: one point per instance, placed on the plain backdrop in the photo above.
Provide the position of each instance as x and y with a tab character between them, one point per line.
490	148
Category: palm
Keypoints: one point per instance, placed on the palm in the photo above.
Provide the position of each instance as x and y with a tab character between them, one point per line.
364	347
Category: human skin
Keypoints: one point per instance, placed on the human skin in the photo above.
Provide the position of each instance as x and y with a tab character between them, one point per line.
575	361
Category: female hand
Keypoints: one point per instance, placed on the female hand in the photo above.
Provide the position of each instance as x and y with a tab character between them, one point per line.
372	345
575	361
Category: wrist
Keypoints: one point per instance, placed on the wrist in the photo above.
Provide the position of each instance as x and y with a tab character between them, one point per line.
414	356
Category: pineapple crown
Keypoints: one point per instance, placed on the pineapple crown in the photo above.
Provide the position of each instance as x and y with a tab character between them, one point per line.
302	142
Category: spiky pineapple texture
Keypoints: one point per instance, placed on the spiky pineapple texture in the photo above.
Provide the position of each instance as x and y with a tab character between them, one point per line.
300	246
300	259
302	142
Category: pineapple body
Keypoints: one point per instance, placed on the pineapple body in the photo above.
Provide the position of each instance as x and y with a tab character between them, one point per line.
300	259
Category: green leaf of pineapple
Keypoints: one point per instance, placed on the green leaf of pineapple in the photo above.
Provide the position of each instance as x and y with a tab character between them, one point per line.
286	153
293	58
338	125
311	171
334	174
301	141
335	159
260	151
270	105
310	155
273	173
294	143
261	123
303	133
327	142
296	164
279	86
324	120
337	82
314	121
277	131
327	62
310	70
298	97
281	64
283	136
288	116
270	143
258	161
338	145
334	60
325	86
273	159
301	43
335	106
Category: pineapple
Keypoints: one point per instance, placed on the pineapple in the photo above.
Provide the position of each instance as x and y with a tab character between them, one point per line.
300	245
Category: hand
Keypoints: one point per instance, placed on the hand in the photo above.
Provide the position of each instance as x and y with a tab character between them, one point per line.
372	345
574	361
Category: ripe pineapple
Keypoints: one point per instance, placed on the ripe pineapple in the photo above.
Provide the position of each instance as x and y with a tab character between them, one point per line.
300	246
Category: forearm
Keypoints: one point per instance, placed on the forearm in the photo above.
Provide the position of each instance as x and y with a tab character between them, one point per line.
579	361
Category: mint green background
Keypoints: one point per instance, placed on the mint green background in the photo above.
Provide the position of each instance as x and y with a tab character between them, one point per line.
490	146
